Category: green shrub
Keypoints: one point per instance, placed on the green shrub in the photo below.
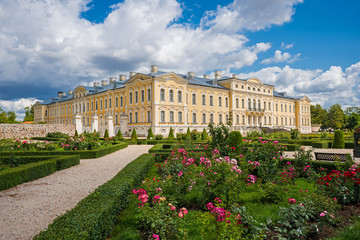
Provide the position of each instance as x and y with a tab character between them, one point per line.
119	136
339	139
271	193
150	135
76	133
106	134
235	139
134	135
294	134
159	137
25	173
171	134
94	217
204	135
57	135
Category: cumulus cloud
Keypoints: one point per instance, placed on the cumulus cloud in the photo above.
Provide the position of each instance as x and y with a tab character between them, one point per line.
17	106
286	46
281	57
323	87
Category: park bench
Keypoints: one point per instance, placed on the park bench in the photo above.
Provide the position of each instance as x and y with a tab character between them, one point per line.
330	156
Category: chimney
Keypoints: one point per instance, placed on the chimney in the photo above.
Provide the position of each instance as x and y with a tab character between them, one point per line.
96	84
60	94
70	92
103	83
206	76
154	68
122	77
217	75
132	74
112	80
235	76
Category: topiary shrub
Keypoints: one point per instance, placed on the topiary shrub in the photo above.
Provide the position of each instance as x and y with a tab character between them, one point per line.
295	134
134	135
339	139
235	139
171	134
159	137
150	135
106	134
119	136
76	133
204	135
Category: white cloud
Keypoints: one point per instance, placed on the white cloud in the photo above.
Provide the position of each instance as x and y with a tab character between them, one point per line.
286	46
17	106
281	57
322	87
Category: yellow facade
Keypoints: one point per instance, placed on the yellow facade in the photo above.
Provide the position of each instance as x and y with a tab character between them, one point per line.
166	99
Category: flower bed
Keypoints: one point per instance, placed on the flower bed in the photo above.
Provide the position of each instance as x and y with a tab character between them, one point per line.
255	194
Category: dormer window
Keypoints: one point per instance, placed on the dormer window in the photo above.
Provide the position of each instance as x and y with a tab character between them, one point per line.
236	86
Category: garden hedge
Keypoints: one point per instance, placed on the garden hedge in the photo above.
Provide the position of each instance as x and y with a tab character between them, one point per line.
21	174
94	217
315	164
25	173
84	154
49	139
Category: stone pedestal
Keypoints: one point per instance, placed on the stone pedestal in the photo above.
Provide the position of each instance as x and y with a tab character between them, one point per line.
109	125
94	123
78	123
124	119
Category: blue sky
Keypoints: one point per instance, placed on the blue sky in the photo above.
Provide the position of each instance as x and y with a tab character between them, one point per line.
303	47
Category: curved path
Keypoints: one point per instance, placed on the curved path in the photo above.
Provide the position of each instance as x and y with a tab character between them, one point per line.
29	208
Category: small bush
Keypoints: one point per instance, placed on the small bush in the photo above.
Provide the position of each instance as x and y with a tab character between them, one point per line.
171	134
134	135
339	139
235	139
159	137
150	135
106	134
119	136
57	135
204	135
76	133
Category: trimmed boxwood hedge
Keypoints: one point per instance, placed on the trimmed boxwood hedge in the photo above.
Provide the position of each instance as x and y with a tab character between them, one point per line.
84	154
50	139
25	173
94	217
21	174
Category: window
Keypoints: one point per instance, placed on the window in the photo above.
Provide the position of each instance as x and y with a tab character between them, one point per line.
110	103
162	94
254	104
84	108
264	105
171	116
243	119
148	116
264	117
87	107
237	119
281	107
285	121
259	104
149	95
116	102
96	105
242	87
179	96
136	117
269	120
211	101
203	100
171	95
194	99
242	103
142	95
45	112
282	121
285	108
220	103
277	121
289	108
180	117
116	119
237	103
226	102
249	104
236	86
220	118
211	117
136	96
121	101
131	98
203	118
101	104
130	117
162	116
194	118
276	107
105	103
269	106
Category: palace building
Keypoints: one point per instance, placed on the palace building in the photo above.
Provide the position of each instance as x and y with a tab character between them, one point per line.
166	99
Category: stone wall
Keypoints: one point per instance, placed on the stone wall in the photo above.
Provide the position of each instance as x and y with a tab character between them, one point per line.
33	130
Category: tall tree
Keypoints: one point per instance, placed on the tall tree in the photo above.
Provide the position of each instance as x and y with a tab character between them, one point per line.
29	113
336	117
318	115
11	117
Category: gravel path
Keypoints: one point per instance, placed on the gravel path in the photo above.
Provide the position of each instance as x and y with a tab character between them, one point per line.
27	209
